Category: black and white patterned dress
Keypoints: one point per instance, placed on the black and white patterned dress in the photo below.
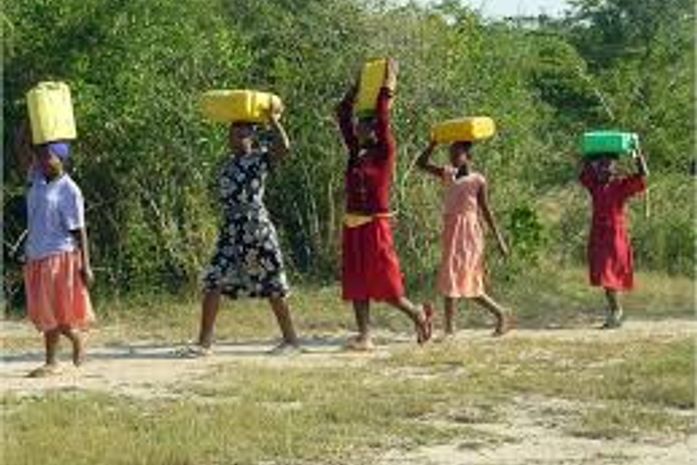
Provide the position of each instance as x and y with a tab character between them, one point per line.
247	260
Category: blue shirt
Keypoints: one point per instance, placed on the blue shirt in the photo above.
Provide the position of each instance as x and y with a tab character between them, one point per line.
53	210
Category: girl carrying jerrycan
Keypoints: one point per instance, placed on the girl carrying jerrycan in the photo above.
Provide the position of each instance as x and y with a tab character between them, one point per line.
370	266
610	259
462	268
248	261
57	271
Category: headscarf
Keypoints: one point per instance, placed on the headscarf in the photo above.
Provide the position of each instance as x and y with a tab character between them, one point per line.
59	149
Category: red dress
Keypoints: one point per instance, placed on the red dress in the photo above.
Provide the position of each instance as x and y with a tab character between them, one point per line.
609	249
370	266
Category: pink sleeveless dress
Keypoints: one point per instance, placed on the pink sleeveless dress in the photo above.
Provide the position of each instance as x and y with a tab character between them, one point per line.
462	263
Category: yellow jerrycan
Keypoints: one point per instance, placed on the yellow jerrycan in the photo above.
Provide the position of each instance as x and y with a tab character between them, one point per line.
229	106
473	128
372	79
51	112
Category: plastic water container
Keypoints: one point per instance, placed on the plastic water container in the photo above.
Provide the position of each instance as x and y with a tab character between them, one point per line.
51	112
372	79
608	142
228	106
473	128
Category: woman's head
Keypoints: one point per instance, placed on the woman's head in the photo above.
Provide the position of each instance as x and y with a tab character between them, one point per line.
365	131
51	158
241	137
460	153
604	167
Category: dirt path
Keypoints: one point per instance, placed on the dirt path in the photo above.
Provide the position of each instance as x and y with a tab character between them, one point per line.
144	369
149	370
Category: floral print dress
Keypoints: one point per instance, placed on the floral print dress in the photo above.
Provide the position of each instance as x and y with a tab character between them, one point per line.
247	261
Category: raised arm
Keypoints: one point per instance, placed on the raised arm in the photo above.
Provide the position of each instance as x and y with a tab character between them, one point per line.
483	200
636	183
383	127
23	148
280	145
424	161
344	115
586	176
641	165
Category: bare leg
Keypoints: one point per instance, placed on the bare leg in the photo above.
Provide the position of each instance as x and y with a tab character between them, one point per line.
503	322
280	308
51	341
614	315
51	367
449	304
209	311
361	309
77	341
363	341
419	314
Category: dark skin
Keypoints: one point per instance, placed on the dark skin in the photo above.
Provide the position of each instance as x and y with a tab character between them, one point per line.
241	142
604	167
52	168
367	137
461	159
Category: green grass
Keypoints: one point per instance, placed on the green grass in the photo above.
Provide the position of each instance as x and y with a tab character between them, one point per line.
644	371
620	419
539	300
247	412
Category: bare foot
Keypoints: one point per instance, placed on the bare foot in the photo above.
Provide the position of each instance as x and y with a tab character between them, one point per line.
424	327
360	344
194	351
78	348
45	371
503	325
286	348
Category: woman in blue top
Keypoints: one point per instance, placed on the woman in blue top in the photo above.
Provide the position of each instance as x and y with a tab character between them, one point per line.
58	269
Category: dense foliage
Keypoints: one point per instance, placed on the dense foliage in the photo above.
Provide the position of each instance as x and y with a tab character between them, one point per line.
147	161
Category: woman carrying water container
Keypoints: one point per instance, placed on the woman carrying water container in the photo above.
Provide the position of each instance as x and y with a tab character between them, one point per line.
247	261
610	257
465	203
57	270
370	266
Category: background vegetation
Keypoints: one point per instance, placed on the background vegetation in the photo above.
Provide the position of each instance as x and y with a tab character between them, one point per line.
146	160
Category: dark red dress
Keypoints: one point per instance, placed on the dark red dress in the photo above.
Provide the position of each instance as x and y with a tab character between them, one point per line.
370	266
610	259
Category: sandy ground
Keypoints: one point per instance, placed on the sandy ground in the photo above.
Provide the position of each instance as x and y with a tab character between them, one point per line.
147	370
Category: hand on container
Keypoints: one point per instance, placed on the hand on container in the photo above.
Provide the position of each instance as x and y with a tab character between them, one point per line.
275	111
391	72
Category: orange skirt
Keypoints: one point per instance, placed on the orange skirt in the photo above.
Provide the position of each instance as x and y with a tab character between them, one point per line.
56	292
